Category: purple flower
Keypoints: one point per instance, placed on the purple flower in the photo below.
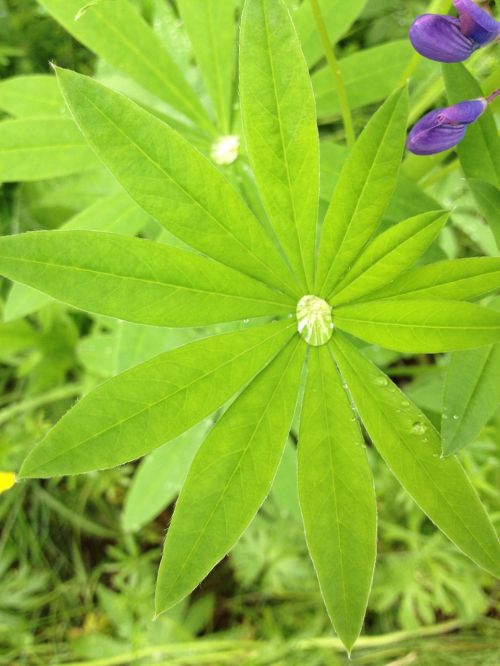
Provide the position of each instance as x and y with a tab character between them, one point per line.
449	39
444	128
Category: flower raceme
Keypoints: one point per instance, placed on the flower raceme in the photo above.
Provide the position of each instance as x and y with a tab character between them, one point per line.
450	39
444	128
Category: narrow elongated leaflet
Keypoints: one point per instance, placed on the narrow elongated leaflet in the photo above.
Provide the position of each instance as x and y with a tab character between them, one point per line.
411	447
457	279
116	32
31	95
362	193
211	28
116	213
141	409
171	180
420	327
42	147
230	477
479	151
471	395
337	496
136	280
388	256
279	123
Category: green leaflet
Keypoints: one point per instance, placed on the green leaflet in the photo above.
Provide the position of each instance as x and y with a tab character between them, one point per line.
171	180
31	95
471	395
230	477
339	15
141	409
369	76
388	256
457	279
116	32
420	326
160	477
284	491
136	280
42	147
211	29
488	200
362	193
479	151
279	124
411	447
337	497
116	213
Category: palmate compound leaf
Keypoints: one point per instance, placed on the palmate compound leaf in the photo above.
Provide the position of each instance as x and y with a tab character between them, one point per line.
230	477
411	447
363	191
172	181
147	406
136	280
337	496
280	129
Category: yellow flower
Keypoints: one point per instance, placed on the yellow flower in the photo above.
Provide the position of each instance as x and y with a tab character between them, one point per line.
7	480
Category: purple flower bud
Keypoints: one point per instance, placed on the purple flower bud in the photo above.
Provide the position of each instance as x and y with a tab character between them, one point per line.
442	129
449	39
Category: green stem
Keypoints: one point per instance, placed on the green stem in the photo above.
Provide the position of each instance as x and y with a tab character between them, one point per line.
336	73
27	405
205	651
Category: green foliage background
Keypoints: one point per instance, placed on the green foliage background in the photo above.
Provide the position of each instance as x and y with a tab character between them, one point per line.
77	566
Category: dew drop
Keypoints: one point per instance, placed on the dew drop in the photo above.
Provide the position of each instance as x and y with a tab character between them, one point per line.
445	417
405	403
314	320
419	428
381	381
455	417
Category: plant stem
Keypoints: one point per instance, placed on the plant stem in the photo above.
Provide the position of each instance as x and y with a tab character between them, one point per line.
205	651
337	74
33	403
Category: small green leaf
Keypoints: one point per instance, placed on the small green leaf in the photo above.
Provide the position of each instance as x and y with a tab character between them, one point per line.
136	280
457	279
337	497
391	253
369	76
141	409
362	193
411	447
42	147
171	180
339	15
420	327
479	151
122	38
160	477
31	95
211	28
279	123
230	477
471	395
